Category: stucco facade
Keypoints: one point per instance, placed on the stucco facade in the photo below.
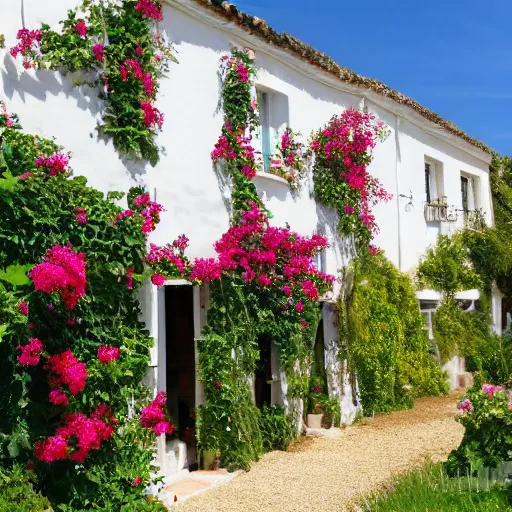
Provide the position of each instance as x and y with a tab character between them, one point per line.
194	195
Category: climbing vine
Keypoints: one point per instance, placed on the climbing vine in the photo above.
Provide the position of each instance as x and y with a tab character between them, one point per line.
72	351
266	293
343	151
121	54
385	342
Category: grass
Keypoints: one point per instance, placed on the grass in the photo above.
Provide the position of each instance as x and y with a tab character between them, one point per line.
430	490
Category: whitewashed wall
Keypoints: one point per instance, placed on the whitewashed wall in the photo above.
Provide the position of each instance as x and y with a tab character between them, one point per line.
184	180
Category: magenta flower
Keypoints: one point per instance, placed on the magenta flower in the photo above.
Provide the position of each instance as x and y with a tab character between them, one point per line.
81	29
99	52
158	279
299	307
137	481
31	353
58	397
108	354
264	280
348	209
129	275
24	176
81	216
23	308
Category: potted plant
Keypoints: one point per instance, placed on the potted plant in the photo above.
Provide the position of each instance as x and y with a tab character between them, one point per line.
316	406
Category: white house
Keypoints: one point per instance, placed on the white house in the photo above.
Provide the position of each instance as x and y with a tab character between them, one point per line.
438	175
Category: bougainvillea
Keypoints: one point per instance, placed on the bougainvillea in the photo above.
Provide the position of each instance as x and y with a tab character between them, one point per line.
63	396
343	152
118	43
290	159
153	416
62	271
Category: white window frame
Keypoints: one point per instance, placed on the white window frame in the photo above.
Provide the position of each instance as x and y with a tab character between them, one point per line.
436	179
473	191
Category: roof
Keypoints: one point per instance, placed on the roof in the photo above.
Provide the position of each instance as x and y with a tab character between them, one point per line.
258	27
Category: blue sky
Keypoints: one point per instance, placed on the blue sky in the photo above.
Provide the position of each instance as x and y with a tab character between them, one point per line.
452	56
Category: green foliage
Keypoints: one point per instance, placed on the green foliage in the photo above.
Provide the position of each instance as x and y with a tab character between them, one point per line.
17	493
429	489
447	267
37	215
125	30
276	428
385	342
487	438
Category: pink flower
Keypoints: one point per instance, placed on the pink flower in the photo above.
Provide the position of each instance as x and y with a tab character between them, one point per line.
55	164
129	275
81	216
31	353
348	209
31	326
152	116
24	176
218	384
124	74
66	369
205	270
149	86
310	290
108	354
23	308
99	51
58	397
150	9
62	271
163	427
137	481
373	250
158	279
249	172
52	449
181	243
139	51
303	323
465	405
81	29
490	389
286	290
299	307
264	281
70	321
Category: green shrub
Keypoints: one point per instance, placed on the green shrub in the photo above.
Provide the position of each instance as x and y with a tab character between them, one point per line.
386	344
276	428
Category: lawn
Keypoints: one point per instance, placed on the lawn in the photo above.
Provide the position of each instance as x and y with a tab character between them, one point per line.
430	490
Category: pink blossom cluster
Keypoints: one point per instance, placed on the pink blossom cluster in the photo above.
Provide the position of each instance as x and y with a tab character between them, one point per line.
152	116
8	121
66	370
150	9
181	243
81	215
55	164
205	270
271	256
23	308
348	141
491	389
237	148
62	271
28	44
30	353
77	437
81	29
108	354
167	258
465	405
149	210
153	416
99	51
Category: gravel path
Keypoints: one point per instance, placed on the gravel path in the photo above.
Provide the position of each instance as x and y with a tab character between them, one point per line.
325	474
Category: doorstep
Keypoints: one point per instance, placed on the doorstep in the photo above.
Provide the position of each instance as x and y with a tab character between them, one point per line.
189	484
324	432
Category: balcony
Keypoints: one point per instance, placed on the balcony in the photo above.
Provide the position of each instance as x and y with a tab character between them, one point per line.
474	219
436	211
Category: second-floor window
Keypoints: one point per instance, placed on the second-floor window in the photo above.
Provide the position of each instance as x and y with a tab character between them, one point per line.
265	135
469	193
434	186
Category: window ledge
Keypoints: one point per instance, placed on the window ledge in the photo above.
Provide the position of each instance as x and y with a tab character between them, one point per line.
270	176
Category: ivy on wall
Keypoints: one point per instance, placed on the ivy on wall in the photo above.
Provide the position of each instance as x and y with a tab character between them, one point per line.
384	339
121	54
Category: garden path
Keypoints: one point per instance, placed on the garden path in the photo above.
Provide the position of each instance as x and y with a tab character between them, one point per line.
321	474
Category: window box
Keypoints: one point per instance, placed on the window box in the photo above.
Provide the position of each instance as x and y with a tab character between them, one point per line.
436	211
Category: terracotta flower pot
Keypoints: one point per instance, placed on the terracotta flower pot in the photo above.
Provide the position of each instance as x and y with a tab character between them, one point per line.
314	420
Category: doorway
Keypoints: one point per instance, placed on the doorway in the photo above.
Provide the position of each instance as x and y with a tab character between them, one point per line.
263	374
180	359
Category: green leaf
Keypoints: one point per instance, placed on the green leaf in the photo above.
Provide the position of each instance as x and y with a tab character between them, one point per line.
16	274
9	183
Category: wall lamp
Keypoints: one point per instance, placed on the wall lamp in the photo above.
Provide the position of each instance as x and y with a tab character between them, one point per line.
409	207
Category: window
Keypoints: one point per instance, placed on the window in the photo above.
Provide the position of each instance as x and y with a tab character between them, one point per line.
273	114
464	187
434	186
470	194
427	309
265	136
435	201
